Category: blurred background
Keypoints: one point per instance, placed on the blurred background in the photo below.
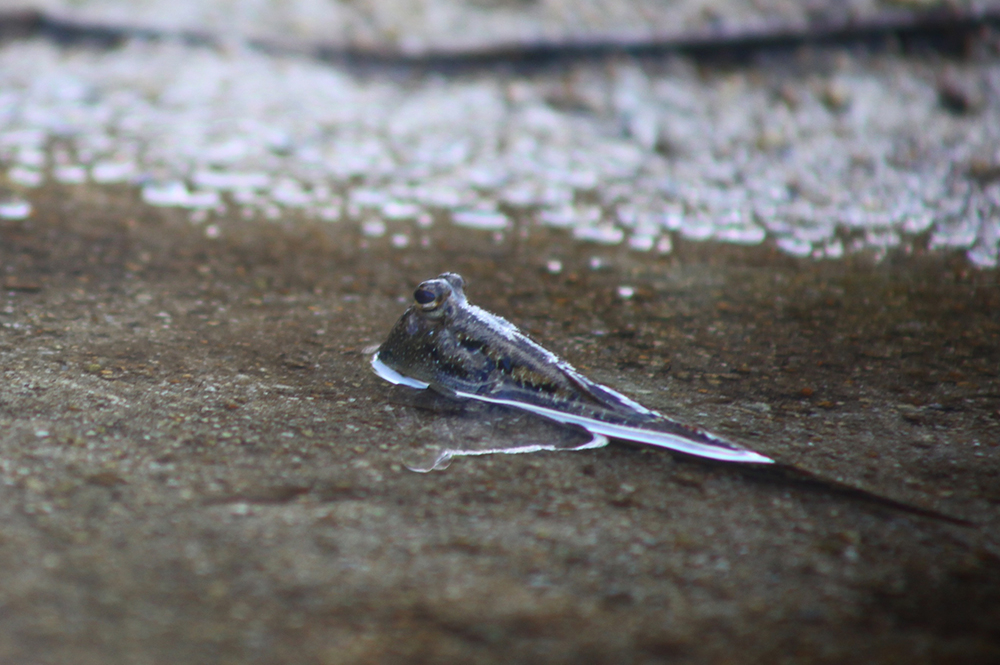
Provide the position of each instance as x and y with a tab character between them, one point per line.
587	116
776	220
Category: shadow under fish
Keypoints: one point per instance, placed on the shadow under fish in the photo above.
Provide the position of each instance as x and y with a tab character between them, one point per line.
459	350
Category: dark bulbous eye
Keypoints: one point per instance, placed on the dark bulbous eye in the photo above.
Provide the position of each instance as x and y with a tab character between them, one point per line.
423	296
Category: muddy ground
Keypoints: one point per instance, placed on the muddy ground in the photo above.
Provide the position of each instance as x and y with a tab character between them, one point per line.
198	465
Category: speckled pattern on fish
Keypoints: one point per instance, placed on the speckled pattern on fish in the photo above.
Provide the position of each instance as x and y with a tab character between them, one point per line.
445	343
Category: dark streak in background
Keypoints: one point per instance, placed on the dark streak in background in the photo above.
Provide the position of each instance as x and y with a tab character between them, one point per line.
942	29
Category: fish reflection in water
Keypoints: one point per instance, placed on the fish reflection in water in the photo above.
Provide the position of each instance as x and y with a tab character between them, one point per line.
443	429
445	343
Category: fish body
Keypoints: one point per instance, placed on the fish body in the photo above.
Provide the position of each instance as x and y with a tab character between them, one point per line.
445	343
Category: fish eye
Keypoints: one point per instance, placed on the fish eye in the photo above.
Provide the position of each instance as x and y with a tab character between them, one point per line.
430	295
423	296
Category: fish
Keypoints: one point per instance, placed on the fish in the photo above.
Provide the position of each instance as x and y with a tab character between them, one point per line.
445	343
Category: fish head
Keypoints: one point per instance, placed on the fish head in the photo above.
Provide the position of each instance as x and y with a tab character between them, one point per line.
437	299
419	345
454	347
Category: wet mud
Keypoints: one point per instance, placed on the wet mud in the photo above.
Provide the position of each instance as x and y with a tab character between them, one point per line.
199	466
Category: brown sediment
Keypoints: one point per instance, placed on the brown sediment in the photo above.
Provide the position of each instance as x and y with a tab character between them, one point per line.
194	450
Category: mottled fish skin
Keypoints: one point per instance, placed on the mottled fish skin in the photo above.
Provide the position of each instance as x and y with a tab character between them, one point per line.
446	343
455	346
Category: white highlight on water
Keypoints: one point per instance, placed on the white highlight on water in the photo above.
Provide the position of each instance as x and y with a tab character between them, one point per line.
445	456
595	427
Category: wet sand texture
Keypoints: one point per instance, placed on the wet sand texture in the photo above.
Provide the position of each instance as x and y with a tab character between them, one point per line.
197	464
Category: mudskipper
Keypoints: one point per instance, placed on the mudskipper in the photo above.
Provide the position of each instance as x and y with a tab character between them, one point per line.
445	343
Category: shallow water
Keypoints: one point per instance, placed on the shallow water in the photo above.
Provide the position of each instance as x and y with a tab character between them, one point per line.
444	429
193	420
197	464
